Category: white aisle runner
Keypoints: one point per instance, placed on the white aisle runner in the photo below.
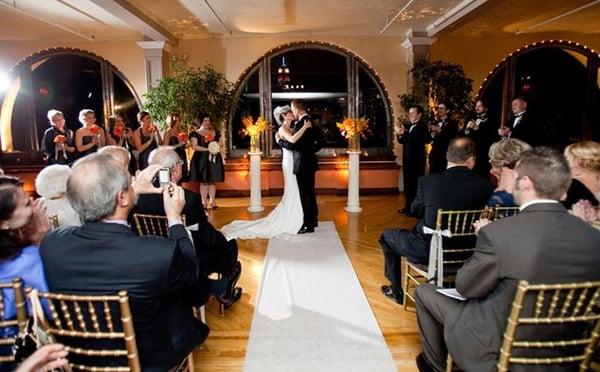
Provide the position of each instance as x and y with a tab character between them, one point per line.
311	312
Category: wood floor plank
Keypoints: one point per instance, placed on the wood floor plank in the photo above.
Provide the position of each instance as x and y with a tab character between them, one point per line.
225	347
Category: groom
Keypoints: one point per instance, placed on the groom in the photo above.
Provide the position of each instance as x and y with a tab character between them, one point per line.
305	164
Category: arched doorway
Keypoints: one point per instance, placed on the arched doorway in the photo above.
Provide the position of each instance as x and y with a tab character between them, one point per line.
560	81
334	82
66	79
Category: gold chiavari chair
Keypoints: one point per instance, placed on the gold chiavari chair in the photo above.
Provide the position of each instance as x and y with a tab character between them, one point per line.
501	212
108	318
53	221
458	225
17	287
544	306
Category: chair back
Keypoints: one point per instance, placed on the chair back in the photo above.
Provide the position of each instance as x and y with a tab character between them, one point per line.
94	328
461	244
501	212
574	305
150	224
53	219
17	287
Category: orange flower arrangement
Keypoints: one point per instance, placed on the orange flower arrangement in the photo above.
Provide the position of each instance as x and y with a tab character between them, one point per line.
60	139
151	129
351	127
252	128
208	138
182	137
118	130
94	129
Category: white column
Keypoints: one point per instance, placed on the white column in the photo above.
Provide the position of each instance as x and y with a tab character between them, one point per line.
156	58
255	191
353	183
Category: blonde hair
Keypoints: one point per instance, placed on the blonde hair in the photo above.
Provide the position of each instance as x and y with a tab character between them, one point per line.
587	153
506	153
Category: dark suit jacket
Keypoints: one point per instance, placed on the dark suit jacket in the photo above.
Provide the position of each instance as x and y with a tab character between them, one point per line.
525	130
206	240
413	149
456	188
533	246
104	258
484	137
305	149
439	146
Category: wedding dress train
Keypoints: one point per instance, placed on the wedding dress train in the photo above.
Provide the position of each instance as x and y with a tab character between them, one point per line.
286	218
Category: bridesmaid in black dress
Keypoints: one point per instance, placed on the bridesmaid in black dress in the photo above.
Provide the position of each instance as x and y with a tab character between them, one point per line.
121	135
172	138
55	152
146	138
584	161
90	137
205	167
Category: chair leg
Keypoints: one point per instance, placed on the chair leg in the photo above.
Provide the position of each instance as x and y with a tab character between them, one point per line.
203	314
405	284
190	358
222	309
449	363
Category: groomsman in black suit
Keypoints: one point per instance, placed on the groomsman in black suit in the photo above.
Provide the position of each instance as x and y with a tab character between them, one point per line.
483	132
442	132
520	126
413	137
305	164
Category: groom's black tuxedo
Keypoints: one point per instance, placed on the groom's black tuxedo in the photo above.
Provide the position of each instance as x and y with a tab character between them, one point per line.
305	167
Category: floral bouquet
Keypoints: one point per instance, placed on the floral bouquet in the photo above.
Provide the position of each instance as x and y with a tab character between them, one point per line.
95	130
60	139
254	129
213	149
118	130
353	129
182	137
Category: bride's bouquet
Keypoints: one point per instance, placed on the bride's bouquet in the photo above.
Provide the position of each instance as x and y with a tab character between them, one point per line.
213	147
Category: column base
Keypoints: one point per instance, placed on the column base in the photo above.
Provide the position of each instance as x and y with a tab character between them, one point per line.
256	208
353	209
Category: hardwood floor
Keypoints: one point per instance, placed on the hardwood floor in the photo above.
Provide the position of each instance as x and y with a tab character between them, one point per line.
226	345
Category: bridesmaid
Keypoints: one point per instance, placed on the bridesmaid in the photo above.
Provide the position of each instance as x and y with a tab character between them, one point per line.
90	137
177	138
146	138
58	151
206	168
121	135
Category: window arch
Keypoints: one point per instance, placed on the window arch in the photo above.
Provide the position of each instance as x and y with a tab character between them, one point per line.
66	79
561	81
335	83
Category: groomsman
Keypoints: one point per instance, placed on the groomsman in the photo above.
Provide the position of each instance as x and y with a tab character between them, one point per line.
413	136
442	132
483	132
520	126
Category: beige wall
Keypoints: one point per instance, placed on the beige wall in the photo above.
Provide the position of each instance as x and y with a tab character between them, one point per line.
126	56
478	56
234	54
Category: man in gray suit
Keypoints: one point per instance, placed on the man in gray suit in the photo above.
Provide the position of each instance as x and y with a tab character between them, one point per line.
530	246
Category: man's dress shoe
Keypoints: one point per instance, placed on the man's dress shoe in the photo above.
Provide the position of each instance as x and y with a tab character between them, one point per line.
305	229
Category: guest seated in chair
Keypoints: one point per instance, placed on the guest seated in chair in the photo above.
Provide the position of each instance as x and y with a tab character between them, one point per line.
216	254
503	158
120	154
529	246
584	161
51	184
456	189
103	256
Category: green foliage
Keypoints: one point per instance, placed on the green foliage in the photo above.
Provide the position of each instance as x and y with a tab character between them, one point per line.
440	81
191	93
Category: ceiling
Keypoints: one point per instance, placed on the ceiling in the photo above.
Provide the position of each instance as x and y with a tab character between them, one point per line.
173	20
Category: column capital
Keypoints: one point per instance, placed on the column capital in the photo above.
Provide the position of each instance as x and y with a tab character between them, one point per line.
414	38
154	45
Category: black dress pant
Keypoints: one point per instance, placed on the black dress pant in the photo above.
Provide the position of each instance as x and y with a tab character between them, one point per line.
308	197
215	259
396	243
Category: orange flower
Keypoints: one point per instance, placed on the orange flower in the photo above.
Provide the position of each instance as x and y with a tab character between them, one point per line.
60	139
252	128
209	138
350	127
118	130
94	129
182	137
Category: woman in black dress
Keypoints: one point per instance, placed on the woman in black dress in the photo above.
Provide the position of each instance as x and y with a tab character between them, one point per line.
206	167
59	150
121	135
584	160
90	137
176	138
146	138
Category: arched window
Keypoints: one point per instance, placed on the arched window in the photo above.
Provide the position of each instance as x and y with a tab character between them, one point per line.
561	82
334	82
65	79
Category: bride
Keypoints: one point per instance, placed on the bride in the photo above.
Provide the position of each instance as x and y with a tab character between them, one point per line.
287	217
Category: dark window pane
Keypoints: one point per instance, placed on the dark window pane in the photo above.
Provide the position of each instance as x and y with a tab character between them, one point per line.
125	103
372	106
248	104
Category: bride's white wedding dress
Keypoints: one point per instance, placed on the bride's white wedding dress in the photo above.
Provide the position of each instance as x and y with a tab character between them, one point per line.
286	218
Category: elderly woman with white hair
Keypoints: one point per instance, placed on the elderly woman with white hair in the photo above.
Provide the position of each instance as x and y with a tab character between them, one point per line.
51	185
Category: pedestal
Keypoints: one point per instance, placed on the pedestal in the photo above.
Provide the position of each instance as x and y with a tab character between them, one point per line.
353	205
255	191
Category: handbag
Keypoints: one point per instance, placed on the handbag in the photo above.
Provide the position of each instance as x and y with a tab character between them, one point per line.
36	332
